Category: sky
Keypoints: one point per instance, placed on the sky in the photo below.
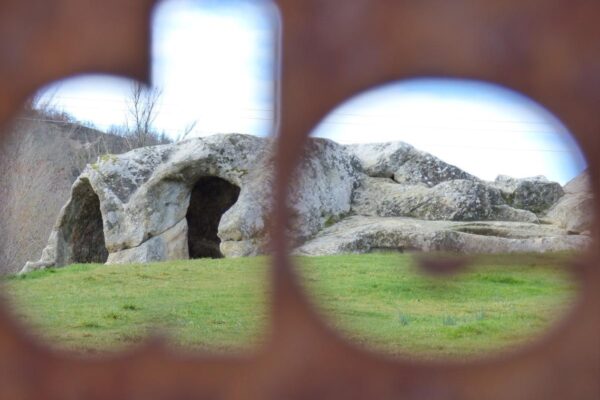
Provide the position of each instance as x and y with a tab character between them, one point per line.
214	61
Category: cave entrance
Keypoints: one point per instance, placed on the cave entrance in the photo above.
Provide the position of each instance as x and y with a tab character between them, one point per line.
84	227
210	198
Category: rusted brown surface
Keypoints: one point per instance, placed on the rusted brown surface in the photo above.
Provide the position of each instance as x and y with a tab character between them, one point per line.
548	50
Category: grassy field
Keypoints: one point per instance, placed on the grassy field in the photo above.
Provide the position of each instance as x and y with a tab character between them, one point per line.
377	300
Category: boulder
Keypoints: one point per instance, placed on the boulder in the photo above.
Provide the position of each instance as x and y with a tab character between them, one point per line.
505	212
536	194
405	164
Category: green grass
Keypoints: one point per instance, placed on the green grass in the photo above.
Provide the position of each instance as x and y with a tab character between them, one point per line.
201	303
376	300
382	301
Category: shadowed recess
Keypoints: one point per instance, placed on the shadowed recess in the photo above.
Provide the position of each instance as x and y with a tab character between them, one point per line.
86	235
210	199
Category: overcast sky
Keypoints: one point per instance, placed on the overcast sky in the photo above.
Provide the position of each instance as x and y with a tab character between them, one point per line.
214	62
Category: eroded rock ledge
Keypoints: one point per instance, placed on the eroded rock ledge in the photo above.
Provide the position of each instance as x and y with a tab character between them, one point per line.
360	234
147	205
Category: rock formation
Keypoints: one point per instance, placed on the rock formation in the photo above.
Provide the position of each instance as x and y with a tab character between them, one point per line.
209	197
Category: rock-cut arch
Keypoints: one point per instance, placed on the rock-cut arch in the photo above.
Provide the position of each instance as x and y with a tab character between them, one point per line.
211	197
82	227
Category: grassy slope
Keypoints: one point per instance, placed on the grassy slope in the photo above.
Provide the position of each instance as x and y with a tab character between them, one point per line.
377	299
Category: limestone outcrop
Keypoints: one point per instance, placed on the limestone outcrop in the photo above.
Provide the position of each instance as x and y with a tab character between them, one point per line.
210	197
139	203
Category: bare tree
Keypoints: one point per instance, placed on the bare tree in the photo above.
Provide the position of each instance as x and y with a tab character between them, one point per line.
142	109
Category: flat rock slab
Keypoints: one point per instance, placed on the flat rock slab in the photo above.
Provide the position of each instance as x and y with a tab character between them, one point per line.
362	234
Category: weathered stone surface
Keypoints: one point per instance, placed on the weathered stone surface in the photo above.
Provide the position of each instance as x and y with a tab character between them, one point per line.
456	200
536	194
405	164
507	213
169	245
574	211
323	191
359	234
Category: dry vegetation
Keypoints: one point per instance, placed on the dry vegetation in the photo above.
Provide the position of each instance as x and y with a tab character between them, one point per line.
40	157
41	154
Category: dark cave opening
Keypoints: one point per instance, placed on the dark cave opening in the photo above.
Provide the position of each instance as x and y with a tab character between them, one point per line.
211	197
86	233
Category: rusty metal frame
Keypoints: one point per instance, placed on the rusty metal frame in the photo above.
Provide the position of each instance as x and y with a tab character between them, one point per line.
332	49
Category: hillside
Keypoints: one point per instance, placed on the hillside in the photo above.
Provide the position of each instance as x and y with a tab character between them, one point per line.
39	161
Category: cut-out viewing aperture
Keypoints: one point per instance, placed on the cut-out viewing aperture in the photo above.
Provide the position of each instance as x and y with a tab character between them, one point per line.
436	176
117	196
